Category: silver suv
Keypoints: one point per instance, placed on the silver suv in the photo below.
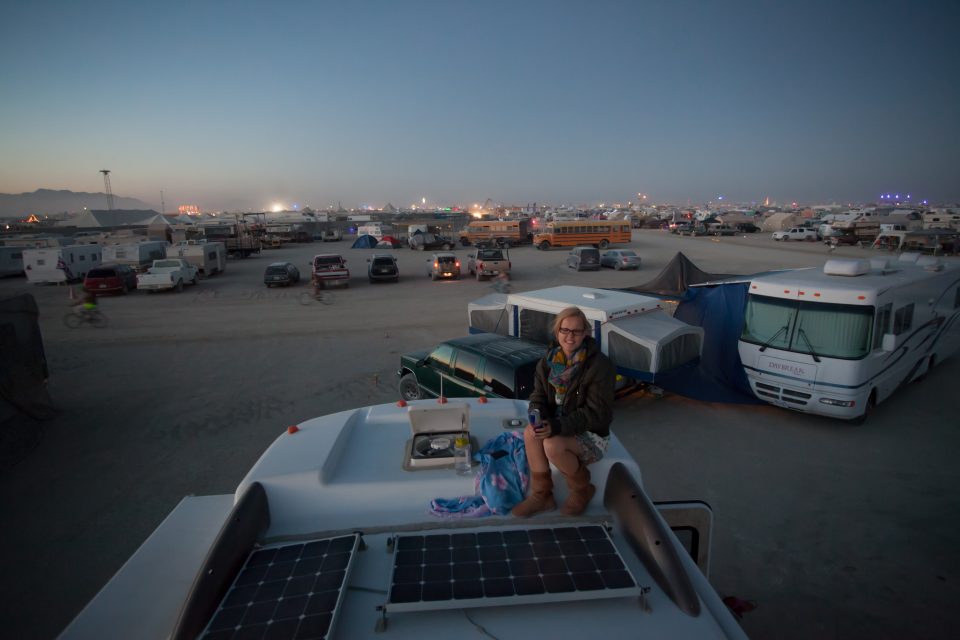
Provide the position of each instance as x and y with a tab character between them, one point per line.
444	265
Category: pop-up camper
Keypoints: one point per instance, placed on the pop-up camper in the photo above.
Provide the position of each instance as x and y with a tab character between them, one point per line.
634	330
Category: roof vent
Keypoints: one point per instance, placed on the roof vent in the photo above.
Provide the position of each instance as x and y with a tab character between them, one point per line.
846	267
883	266
909	256
593	295
930	263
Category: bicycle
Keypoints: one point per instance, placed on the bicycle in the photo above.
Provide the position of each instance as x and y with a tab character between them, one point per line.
94	317
317	295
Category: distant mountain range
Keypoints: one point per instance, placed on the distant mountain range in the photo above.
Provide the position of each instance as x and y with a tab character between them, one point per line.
49	202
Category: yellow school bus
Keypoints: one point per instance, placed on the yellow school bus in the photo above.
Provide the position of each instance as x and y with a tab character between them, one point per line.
503	233
570	233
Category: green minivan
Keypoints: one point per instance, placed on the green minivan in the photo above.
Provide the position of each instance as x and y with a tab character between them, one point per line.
483	364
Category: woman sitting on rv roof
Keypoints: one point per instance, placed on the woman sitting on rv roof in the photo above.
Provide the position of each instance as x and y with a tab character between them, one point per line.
573	391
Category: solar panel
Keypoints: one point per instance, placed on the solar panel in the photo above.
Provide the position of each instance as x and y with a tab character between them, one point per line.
519	566
290	591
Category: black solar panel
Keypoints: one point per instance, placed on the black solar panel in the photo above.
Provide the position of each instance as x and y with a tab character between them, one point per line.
518	566
291	591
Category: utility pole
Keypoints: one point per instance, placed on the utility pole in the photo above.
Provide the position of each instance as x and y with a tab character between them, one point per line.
106	184
163	207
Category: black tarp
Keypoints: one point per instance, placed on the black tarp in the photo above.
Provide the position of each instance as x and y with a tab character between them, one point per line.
674	279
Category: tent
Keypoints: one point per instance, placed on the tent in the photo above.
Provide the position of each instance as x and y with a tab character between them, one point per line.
364	242
388	242
675	278
715	302
780	221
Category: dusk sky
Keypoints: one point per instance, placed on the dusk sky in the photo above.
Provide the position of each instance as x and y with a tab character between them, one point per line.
239	105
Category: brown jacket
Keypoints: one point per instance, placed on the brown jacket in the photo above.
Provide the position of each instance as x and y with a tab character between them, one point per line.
588	403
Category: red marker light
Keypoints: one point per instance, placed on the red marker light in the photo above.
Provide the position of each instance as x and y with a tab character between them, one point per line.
401	403
482	399
442	400
293	428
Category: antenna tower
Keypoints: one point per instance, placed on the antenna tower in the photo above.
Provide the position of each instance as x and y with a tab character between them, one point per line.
106	184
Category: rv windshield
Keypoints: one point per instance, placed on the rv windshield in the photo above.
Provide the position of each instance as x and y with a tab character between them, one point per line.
820	329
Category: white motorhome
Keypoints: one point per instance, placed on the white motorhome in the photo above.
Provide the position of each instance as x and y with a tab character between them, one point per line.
839	340
11	261
139	255
634	330
208	257
60	264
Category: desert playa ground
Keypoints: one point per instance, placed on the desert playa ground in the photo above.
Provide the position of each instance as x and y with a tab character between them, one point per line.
836	531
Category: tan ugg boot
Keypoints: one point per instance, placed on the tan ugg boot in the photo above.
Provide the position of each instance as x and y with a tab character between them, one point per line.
581	492
540	498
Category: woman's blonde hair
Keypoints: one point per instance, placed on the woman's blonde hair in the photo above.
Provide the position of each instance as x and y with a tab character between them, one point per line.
570	312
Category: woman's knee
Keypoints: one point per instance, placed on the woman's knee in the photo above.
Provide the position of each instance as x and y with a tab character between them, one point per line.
556	447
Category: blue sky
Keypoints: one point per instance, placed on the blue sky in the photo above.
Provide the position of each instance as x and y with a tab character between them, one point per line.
236	105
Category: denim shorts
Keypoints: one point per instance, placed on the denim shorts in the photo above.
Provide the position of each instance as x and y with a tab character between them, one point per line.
592	446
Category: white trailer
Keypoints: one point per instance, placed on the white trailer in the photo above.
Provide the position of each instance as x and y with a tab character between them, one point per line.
838	341
635	331
11	261
139	255
208	257
60	264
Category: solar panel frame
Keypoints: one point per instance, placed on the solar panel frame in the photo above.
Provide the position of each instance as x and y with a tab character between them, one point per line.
529	565
287	591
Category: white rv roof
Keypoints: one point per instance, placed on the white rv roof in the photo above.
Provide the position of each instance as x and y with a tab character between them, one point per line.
596	304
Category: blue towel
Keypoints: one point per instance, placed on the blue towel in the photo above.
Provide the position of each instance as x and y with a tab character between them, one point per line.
501	484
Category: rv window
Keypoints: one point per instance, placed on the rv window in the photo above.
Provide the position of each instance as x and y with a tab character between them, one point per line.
882	325
82	257
41	262
830	330
212	255
442	356
903	319
466	366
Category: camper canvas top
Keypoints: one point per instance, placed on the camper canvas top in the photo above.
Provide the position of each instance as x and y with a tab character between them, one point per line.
597	304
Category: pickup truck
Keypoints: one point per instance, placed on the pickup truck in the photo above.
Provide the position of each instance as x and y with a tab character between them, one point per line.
169	273
796	233
488	262
329	268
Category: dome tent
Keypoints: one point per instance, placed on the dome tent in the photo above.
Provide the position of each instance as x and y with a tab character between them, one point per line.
364	242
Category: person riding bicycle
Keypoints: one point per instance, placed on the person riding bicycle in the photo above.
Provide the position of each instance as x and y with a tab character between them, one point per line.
87	307
501	283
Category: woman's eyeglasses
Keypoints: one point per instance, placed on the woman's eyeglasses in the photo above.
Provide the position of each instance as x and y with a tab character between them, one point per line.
571	332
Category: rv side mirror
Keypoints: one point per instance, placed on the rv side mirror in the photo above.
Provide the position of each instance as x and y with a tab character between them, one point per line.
889	342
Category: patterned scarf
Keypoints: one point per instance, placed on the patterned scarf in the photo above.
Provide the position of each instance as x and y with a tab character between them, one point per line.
562	370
